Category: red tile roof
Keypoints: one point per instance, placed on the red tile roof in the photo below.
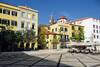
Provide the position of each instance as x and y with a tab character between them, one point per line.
62	17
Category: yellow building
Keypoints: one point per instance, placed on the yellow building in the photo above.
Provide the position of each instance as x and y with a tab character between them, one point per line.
8	16
48	36
64	31
20	18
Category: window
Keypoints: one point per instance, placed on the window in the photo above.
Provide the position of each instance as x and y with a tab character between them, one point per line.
73	34
52	30
73	28
5	21
61	28
94	36
23	14
67	37
5	11
97	26
22	24
93	26
14	13
97	37
14	23
55	29
0	21
94	31
65	29
97	31
8	22
0	10
32	26
79	28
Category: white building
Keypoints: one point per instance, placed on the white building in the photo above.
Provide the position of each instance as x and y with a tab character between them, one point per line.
91	29
28	19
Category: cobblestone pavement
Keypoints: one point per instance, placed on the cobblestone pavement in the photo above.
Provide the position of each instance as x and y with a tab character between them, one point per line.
60	59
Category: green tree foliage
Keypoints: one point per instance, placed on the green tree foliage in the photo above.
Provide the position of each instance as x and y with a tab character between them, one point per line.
19	36
8	36
41	37
81	34
31	36
55	40
78	36
7	39
25	36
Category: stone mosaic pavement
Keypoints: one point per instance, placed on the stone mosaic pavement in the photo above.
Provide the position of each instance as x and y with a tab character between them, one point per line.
60	59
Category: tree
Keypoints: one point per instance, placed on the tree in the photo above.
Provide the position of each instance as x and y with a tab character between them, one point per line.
7	39
19	39
11	40
55	41
18	36
78	36
32	37
41	38
81	35
25	36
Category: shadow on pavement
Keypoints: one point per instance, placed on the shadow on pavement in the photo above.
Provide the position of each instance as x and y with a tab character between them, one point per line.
21	59
96	65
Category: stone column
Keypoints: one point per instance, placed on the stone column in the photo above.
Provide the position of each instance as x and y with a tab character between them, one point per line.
30	45
35	45
19	44
58	46
25	45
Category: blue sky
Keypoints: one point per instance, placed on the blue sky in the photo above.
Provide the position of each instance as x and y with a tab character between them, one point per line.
73	9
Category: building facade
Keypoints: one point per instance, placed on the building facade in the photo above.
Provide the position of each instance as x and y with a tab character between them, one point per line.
8	16
91	29
20	18
63	31
28	20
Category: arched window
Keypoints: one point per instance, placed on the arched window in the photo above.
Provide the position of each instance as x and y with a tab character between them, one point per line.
66	29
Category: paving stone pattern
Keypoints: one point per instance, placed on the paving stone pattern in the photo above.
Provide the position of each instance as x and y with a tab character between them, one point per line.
49	60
